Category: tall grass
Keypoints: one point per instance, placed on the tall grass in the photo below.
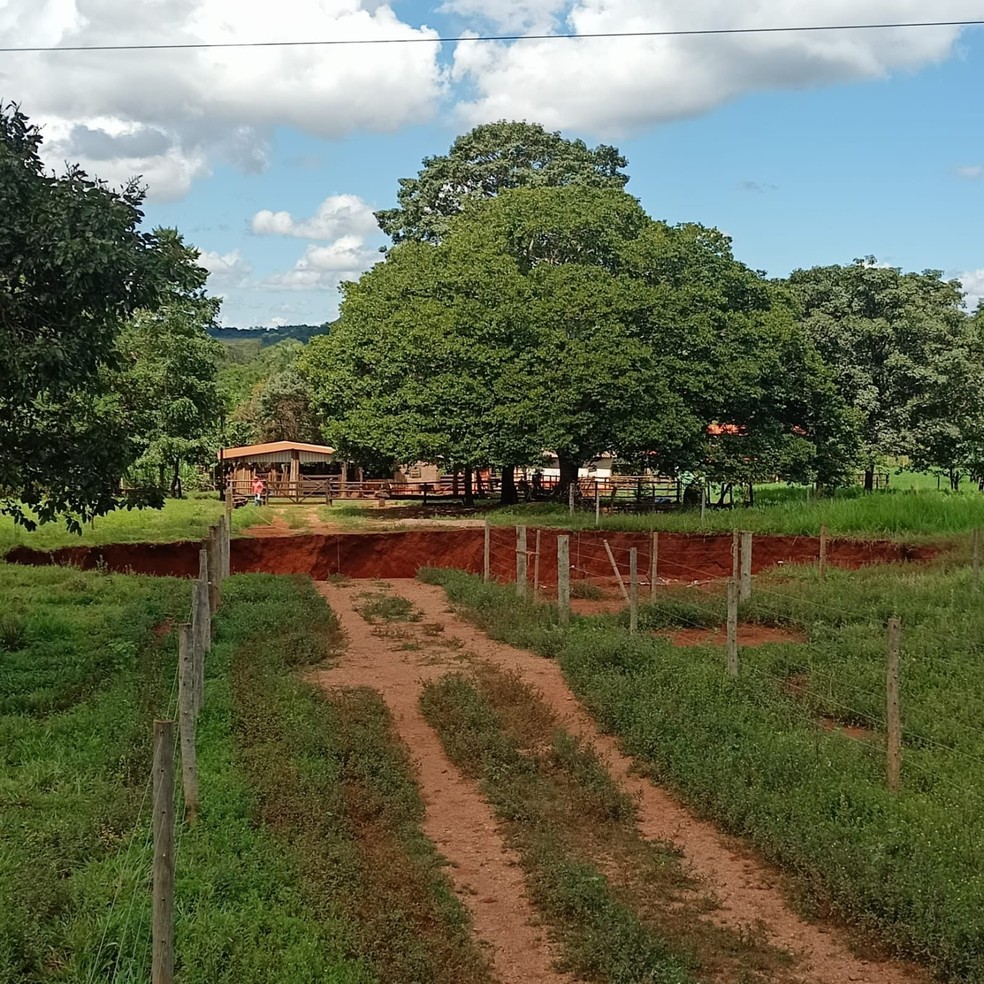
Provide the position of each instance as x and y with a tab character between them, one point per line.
765	756
883	514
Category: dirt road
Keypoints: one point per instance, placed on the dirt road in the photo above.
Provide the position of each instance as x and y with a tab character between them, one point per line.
396	662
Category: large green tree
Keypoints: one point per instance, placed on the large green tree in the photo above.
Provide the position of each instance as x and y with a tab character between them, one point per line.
898	346
488	160
74	266
560	319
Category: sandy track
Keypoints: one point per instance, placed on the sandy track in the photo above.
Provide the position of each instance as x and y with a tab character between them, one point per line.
746	887
485	873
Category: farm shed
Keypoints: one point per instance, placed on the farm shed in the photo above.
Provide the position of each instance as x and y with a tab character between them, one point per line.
291	470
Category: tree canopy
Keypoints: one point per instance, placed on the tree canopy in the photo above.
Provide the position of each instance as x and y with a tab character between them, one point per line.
488	160
902	354
561	319
74	267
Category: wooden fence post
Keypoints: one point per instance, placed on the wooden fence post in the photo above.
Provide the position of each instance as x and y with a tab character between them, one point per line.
163	871
654	566
230	502
214	570
186	722
894	758
823	553
570	498
733	627
564	579
227	548
487	554
703	502
521	561
536	566
977	558
746	566
618	573
597	504
735	555
203	626
633	590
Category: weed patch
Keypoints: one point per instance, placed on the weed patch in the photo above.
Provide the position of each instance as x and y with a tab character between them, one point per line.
378	607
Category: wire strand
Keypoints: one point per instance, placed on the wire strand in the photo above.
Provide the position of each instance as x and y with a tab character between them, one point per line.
493	38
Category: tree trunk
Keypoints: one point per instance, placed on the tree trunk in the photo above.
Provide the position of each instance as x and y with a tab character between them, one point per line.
469	495
176	480
509	496
751	493
568	476
955	478
454	481
869	480
160	472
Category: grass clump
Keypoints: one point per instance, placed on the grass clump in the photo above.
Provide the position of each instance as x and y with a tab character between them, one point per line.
379	607
75	734
756	753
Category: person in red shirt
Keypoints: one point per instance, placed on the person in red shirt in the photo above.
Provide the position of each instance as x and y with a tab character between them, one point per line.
259	490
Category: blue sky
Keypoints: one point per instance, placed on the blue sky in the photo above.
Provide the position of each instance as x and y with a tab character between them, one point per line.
805	149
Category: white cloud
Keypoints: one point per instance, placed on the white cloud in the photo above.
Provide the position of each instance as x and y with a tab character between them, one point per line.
337	215
170	114
614	86
325	267
225	270
970	171
973	284
532	16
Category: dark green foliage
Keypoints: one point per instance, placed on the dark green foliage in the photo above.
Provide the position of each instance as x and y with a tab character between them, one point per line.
73	267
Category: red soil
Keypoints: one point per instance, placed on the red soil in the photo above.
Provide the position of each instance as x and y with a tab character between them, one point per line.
401	554
748	635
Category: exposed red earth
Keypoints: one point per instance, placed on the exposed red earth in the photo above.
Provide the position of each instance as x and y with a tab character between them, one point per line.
682	557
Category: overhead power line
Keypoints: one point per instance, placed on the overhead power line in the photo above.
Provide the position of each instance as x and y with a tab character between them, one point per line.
701	32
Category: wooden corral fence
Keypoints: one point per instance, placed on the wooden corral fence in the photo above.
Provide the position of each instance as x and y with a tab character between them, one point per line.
327	488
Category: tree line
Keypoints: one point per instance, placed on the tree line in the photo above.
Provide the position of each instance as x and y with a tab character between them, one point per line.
527	303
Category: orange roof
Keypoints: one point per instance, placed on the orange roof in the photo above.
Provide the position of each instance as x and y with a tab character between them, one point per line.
250	450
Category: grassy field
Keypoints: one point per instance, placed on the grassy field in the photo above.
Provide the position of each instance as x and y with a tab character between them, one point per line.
276	881
792	754
900	515
180	519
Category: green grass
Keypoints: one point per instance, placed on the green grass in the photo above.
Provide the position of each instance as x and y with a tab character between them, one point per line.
272	883
180	519
623	907
756	754
903	515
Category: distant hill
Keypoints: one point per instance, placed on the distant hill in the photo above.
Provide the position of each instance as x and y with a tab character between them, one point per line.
270	336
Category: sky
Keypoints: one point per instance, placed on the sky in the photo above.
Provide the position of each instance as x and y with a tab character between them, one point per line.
805	148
